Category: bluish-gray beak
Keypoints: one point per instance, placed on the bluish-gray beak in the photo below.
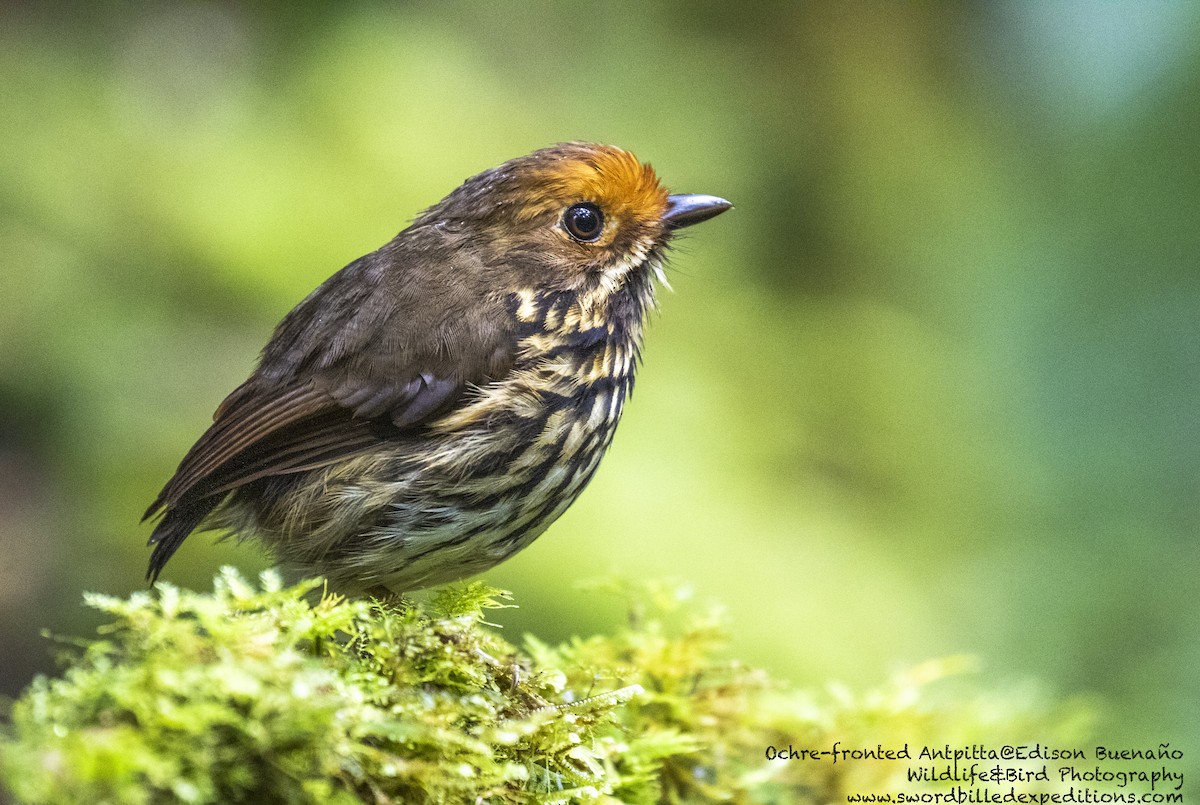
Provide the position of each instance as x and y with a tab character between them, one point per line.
685	210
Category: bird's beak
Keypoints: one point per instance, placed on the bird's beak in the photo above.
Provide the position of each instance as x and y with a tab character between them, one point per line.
685	210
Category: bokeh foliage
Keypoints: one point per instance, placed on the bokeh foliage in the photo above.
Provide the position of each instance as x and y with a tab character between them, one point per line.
930	388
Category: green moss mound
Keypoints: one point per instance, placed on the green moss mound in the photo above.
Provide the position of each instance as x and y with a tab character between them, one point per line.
281	694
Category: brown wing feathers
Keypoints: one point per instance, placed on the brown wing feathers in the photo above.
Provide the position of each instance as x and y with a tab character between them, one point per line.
256	436
241	421
249	438
332	382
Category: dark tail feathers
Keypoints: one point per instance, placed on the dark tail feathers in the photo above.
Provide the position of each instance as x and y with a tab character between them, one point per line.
179	521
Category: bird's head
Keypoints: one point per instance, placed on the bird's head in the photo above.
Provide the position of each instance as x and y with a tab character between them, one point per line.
572	217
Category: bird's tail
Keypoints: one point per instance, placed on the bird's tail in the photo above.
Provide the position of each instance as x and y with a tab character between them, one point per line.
178	521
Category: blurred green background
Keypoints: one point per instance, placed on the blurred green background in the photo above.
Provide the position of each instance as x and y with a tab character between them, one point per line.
931	388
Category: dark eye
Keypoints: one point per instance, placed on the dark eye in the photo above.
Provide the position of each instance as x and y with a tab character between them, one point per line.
583	221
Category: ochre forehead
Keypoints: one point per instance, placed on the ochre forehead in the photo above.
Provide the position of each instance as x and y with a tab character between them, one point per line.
612	178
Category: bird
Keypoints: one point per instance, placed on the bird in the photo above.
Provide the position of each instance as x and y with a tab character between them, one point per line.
431	408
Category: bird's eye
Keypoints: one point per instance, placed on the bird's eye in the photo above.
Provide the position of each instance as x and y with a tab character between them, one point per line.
583	222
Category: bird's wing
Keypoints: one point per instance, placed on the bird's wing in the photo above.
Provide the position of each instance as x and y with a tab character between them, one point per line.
259	432
371	354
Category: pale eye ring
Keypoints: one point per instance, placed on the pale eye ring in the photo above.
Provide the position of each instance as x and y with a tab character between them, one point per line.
584	222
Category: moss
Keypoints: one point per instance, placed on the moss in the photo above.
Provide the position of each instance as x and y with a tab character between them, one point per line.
284	694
